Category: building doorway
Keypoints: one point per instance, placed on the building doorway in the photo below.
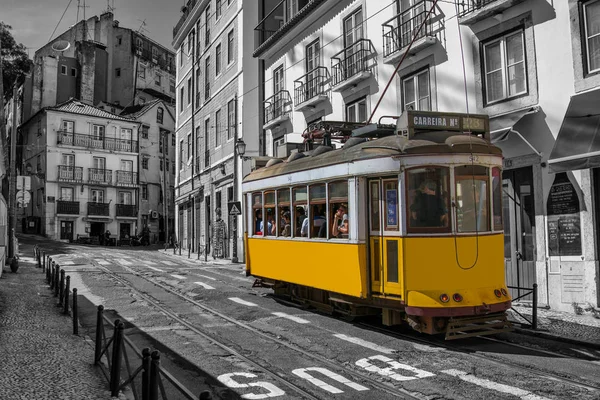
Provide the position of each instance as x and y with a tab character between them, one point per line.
96	229
519	229
66	230
124	230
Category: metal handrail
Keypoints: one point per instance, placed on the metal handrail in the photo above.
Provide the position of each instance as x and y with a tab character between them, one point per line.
355	58
398	31
311	84
273	21
99	175
277	105
529	291
469	6
70	173
127	178
96	142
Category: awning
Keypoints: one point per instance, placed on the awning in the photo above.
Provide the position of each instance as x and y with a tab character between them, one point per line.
504	125
97	219
577	145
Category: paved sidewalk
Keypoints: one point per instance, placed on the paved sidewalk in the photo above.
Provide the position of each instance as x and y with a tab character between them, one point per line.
40	358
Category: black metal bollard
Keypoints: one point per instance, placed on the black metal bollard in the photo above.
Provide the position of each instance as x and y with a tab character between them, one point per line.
56	280
205	395
199	250
66	296
43	261
99	328
115	372
61	288
154	375
48	274
75	313
189	250
52	280
534	310
179	248
146	373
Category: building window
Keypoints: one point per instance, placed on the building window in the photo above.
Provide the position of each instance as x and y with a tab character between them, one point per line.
172	85
67	126
206	78
139	45
181	55
504	63
415	91
97	196
181	98
145	193
189	91
198	86
207	26
217	9
119	40
142	72
218	60
357	111
173	140
145	129
173	166
167	164
66	194
159	115
63	69
165	134
591	11
73	71
154	55
231	119
161	164
145	160
98	132
160	146
181	154
117	72
125	198
189	146
230	47
158	79
191	40
217	128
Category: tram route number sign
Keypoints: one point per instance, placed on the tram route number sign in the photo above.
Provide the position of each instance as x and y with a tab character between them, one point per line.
234	208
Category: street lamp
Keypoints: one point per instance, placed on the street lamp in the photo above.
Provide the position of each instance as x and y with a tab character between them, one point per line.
238	150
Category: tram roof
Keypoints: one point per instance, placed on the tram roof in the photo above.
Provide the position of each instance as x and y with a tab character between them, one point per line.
428	143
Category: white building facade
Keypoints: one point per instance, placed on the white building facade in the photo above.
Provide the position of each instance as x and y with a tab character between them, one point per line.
530	65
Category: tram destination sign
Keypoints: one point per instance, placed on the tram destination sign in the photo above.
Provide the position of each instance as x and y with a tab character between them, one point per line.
429	120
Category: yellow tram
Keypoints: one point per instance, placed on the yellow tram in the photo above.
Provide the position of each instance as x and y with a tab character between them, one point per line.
403	219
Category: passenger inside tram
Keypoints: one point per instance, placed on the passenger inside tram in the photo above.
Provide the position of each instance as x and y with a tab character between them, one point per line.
429	206
340	225
287	227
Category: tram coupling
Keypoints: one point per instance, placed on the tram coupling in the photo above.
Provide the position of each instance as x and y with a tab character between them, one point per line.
491	324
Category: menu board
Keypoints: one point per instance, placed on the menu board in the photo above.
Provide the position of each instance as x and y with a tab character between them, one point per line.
564	220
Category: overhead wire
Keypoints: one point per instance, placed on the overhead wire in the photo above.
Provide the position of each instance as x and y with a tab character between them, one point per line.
59	21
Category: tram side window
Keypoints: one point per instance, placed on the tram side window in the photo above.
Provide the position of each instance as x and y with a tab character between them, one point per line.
338	209
318	203
300	203
284	213
472	198
428	199
497	198
269	222
257	205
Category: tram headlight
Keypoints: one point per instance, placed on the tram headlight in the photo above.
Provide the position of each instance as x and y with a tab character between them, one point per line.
457	297
444	298
504	292
498	293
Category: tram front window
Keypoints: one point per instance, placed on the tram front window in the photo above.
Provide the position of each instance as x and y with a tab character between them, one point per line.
428	199
472	198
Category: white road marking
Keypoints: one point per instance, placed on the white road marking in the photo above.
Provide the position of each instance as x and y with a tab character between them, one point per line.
149	262
124	262
178	276
393	365
364	343
204	285
499	387
207	277
227	380
155	269
243	302
104	262
291	318
169	263
303	373
584	352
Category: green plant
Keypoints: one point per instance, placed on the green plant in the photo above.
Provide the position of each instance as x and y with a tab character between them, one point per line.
577	308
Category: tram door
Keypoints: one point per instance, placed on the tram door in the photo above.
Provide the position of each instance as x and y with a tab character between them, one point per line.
384	236
519	229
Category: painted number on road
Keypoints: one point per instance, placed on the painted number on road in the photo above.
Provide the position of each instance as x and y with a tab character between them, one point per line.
303	373
393	366
274	391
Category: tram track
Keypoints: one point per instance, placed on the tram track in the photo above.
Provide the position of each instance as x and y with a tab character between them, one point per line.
364	378
456	347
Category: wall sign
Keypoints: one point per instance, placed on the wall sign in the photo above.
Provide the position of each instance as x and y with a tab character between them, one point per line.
564	220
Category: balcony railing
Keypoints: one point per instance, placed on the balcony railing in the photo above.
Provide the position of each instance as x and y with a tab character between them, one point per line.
161	60
277	106
354	59
398	31
310	85
70	173
468	6
185	10
67	207
98	208
127	210
276	19
97	142
100	176
127	178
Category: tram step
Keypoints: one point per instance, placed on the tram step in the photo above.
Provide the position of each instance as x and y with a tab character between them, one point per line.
477	326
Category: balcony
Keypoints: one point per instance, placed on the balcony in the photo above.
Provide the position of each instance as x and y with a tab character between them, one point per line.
99	176
98	208
70	173
127	178
67	207
311	88
97	142
398	32
127	210
277	109
185	10
353	64
161	61
473	11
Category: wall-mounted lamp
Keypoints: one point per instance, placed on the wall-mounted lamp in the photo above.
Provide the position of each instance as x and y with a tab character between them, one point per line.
240	149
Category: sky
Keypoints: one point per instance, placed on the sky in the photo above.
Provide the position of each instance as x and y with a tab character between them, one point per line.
34	20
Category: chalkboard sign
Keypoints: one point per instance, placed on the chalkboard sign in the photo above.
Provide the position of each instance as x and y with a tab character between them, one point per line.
564	235
563	197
